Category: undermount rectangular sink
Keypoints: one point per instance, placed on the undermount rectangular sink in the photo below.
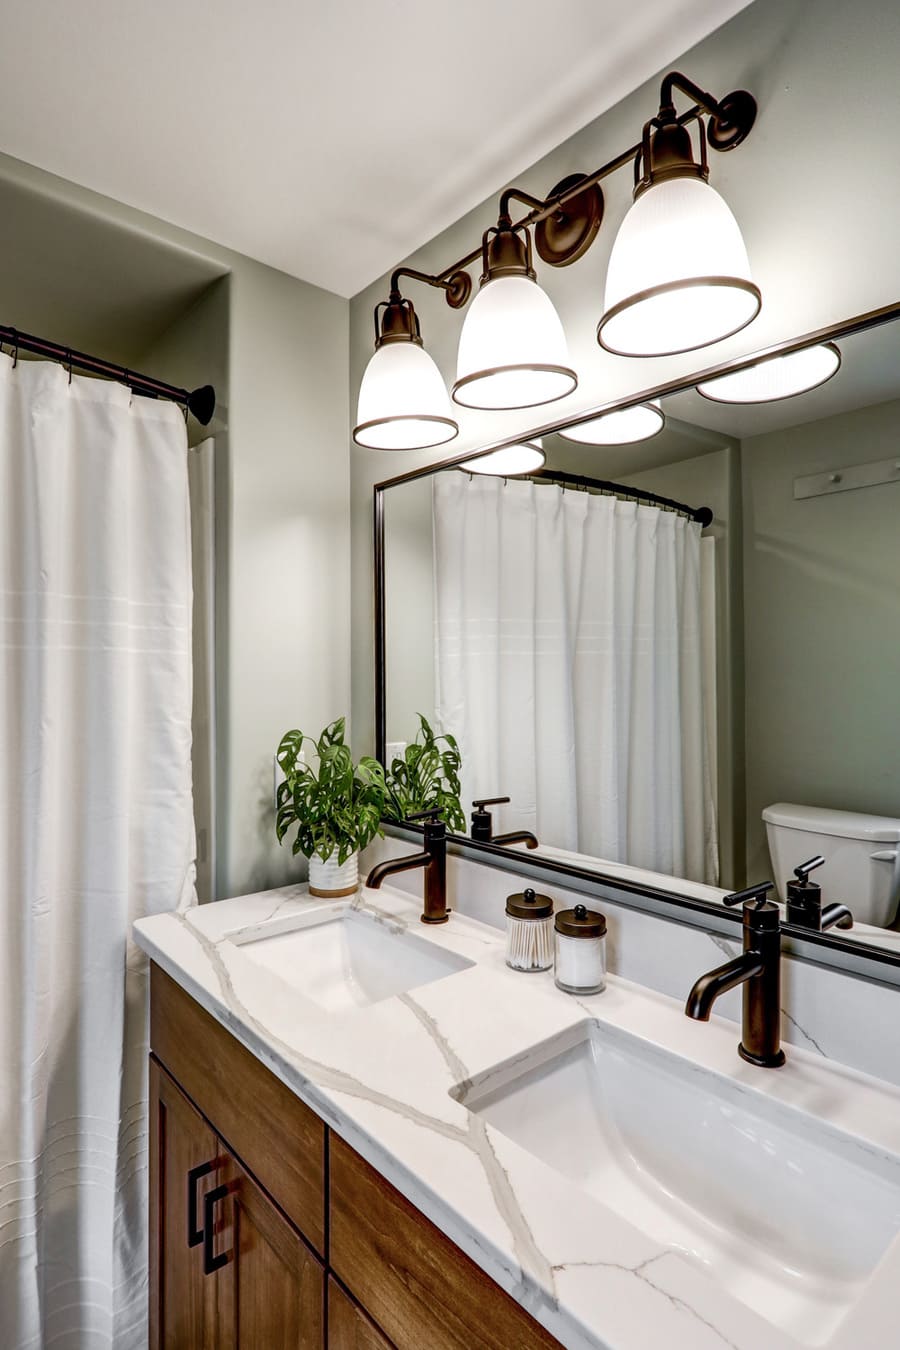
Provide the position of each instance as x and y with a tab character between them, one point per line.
349	959
787	1213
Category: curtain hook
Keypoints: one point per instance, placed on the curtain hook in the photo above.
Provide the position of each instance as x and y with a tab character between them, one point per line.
16	351
69	355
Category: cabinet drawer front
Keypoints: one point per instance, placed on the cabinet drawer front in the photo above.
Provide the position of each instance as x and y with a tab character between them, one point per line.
274	1134
348	1326
420	1288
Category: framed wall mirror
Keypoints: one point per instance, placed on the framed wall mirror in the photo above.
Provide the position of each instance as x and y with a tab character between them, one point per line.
674	644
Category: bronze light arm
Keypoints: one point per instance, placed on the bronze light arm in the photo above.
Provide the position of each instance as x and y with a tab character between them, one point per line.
566	222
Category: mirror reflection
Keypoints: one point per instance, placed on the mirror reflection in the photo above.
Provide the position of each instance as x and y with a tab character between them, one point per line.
676	646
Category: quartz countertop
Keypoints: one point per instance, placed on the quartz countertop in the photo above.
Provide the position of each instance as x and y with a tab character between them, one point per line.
381	1077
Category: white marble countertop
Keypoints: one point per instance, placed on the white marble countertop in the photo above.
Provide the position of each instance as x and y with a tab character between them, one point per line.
381	1076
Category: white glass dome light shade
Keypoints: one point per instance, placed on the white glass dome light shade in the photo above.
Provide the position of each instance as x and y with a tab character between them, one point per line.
777	377
624	426
403	401
679	276
511	461
512	348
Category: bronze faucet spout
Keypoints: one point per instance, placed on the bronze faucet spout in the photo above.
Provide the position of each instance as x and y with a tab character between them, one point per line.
393	865
516	837
715	982
836	916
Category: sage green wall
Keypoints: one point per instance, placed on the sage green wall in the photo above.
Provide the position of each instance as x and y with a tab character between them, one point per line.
822	615
824	73
117	281
289	560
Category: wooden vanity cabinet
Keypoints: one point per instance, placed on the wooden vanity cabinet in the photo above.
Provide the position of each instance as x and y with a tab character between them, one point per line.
268	1232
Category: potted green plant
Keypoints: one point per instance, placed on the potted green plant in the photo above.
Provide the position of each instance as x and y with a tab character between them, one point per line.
426	776
336	805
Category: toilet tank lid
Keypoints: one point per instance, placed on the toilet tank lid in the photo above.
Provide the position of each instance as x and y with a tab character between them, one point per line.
842	824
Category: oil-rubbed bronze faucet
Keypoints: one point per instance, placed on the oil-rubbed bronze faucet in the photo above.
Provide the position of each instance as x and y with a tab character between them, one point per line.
804	901
758	969
483	825
434	860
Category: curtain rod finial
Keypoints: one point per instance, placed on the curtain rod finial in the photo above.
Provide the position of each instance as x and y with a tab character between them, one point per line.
202	403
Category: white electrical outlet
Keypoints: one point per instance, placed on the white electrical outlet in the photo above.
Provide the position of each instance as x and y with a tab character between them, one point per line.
394	750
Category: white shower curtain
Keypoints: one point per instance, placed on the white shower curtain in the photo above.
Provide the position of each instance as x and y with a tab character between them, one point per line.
569	662
96	829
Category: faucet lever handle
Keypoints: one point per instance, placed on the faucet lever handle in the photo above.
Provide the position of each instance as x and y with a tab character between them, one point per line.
433	814
482	802
755	894
802	872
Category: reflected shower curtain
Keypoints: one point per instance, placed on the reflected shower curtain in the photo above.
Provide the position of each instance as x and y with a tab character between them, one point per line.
96	829
570	663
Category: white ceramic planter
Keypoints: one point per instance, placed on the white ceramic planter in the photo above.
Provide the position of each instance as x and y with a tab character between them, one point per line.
329	880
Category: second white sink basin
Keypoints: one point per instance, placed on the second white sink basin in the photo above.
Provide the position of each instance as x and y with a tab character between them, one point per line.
349	959
788	1213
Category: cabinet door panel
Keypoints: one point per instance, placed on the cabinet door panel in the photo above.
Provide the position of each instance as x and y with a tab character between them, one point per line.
271	1290
348	1326
182	1298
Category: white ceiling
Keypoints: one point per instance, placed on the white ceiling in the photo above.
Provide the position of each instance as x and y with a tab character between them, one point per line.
328	139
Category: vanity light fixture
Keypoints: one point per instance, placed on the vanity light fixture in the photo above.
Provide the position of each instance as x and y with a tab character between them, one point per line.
403	402
625	426
511	461
678	279
776	377
512	349
679	276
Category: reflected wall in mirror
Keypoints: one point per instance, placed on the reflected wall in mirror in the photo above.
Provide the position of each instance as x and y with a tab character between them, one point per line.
655	692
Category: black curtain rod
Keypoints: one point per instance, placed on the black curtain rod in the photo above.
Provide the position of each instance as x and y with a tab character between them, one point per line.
701	514
201	402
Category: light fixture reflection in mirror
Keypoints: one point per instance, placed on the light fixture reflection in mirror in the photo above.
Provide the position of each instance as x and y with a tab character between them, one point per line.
623	427
511	461
777	378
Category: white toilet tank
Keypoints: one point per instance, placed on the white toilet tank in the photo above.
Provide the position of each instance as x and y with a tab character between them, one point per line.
862	856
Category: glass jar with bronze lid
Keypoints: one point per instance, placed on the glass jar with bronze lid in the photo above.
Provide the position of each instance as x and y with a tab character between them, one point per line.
580	951
529	931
